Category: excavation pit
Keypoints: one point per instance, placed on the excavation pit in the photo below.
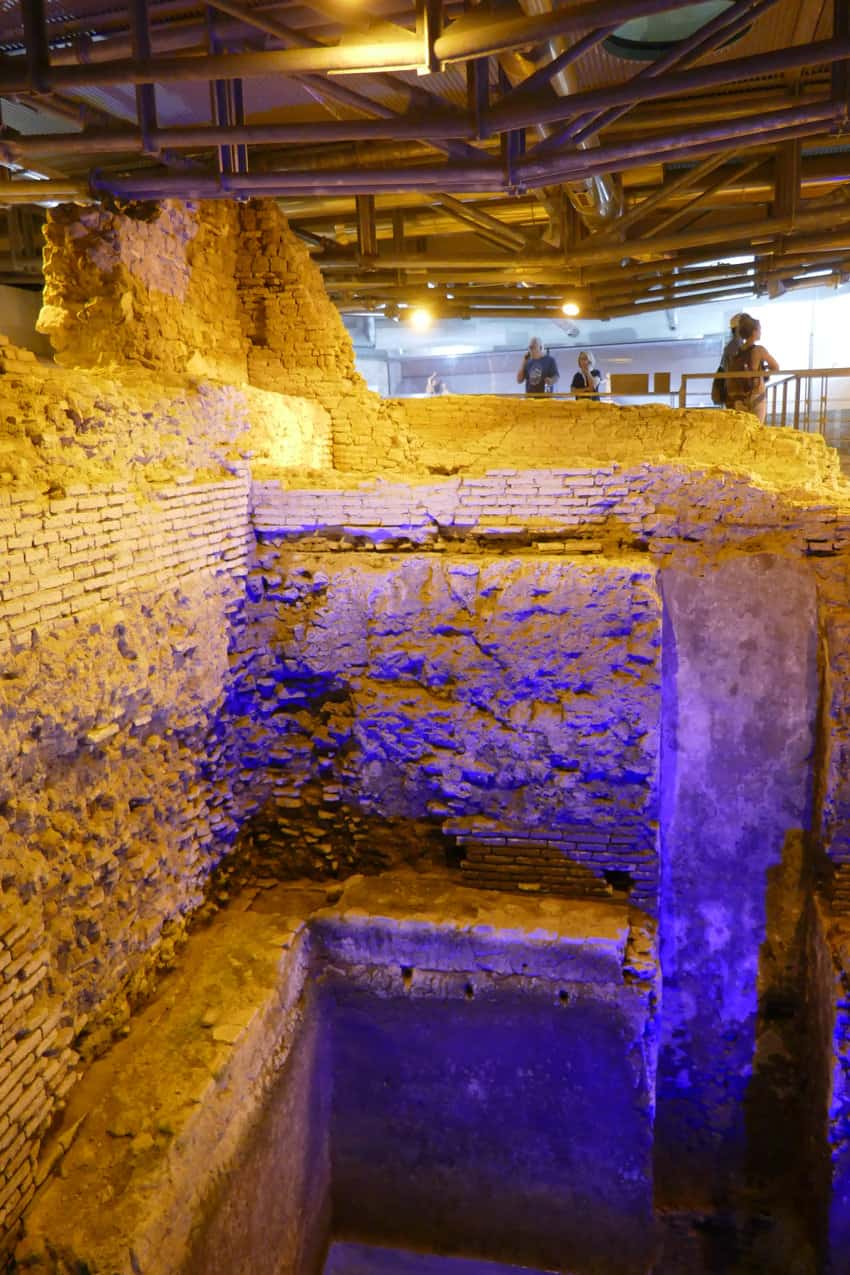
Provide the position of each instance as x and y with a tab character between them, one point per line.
419	1066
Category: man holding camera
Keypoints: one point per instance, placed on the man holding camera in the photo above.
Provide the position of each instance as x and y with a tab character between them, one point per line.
538	370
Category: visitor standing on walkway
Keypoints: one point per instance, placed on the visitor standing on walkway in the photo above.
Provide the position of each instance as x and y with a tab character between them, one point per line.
746	394
733	345
538	370
588	378
720	386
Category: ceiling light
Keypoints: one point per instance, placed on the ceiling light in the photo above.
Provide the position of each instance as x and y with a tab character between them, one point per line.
570	309
420	318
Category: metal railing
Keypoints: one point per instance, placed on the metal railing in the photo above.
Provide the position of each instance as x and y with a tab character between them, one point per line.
814	400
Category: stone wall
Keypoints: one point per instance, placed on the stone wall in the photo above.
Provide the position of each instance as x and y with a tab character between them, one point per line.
65	428
741	697
286	1036
298	343
651	506
154	289
210	290
555	630
113	642
465	435
63	556
389	698
758	569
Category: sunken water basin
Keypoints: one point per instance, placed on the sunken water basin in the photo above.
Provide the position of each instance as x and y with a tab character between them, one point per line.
418	1066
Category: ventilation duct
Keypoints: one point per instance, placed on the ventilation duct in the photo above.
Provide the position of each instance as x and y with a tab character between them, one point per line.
598	200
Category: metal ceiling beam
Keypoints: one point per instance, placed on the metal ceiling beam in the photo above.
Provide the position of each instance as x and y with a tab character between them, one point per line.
455	177
478	36
751	131
34	192
145	93
737	238
475	34
198	136
544	111
704	40
697	204
708	39
322	213
786	179
544	74
403	51
367	239
322	88
482	223
35	38
722	295
685	182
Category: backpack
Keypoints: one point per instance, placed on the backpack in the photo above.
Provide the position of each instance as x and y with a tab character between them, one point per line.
742	388
718	388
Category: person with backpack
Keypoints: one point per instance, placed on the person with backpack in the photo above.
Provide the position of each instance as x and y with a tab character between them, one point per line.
720	386
746	393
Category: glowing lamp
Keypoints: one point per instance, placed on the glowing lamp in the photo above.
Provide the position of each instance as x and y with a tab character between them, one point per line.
420	318
570	309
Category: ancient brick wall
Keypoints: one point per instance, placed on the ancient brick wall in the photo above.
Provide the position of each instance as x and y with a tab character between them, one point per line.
833	792
64	427
113	642
117	583
471	657
297	343
392	701
63	556
155	289
652	504
462	434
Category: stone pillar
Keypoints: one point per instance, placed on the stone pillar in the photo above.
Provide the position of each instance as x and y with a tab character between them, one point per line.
740	702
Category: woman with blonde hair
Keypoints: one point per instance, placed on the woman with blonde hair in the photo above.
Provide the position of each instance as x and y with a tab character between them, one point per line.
588	378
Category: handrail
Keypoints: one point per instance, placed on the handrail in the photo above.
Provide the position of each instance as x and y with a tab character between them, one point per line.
794	409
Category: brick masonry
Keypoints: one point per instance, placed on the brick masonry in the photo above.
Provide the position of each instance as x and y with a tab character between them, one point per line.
326	700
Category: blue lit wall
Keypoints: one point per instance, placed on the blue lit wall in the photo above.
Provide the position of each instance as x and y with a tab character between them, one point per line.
740	707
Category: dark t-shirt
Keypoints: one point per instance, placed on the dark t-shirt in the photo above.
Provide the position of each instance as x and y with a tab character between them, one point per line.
579	383
536	371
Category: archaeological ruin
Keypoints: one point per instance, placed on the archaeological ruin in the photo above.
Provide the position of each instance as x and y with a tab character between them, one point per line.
425	824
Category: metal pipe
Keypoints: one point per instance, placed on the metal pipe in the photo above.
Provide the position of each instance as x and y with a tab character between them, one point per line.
612	287
462	177
704	40
166	37
475	36
33	192
565	58
402	52
597	199
590	254
425	218
483	222
117	142
723	295
629	94
685	182
753	130
35	38
531	171
697	203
